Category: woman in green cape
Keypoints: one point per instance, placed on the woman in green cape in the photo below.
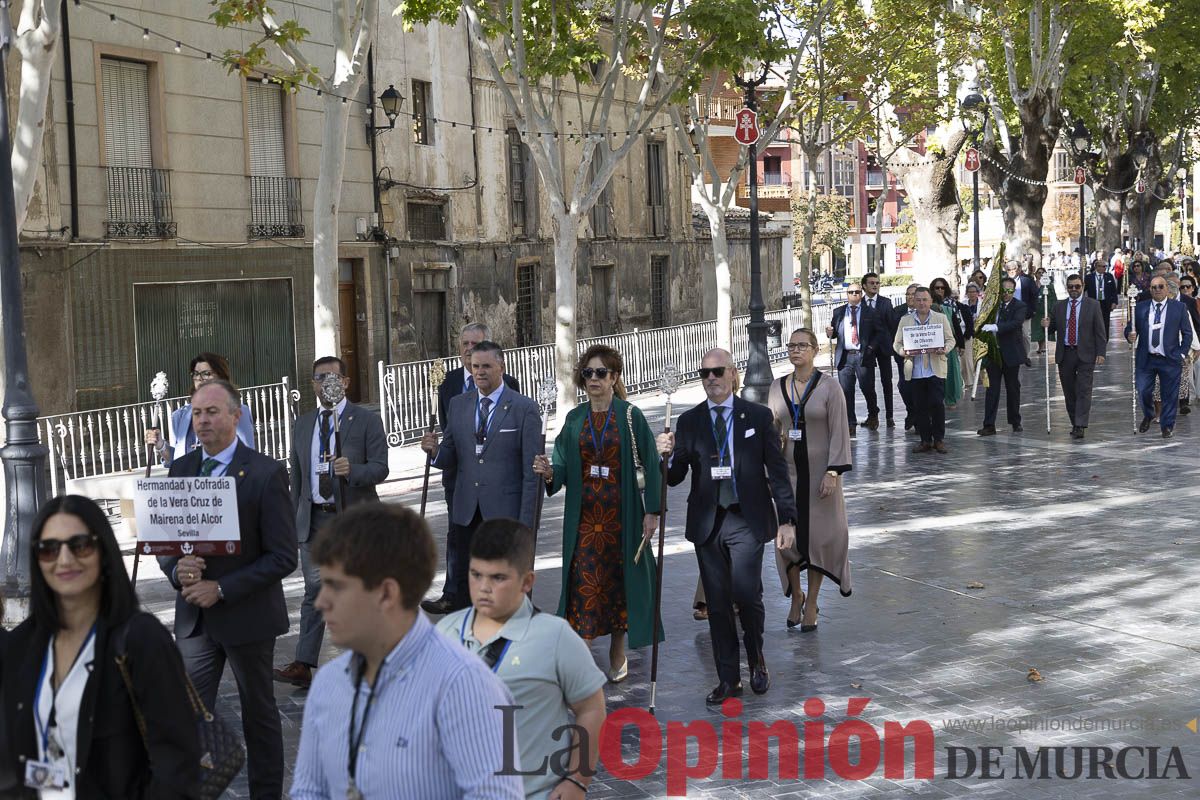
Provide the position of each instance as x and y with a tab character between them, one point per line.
604	592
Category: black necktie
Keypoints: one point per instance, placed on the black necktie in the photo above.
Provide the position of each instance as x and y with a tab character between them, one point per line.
1156	336
325	479
485	405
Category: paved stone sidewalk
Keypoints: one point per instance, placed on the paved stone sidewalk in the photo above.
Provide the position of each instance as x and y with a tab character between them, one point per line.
1017	552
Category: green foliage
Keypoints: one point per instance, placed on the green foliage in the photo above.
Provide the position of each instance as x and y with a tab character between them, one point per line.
832	221
254	58
906	229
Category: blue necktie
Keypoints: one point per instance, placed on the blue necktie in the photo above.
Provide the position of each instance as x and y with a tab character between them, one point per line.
1156	334
469	384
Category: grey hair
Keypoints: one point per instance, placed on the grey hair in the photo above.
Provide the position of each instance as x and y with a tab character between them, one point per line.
973	285
478	327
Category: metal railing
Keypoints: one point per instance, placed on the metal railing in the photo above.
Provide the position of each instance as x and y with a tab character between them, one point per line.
107	441
275	211
139	204
407	400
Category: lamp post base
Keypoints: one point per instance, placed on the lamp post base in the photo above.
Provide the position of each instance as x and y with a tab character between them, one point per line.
758	365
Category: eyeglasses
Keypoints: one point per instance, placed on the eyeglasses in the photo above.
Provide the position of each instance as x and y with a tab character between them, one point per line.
853	291
801	346
206	375
321	376
82	545
599	372
716	372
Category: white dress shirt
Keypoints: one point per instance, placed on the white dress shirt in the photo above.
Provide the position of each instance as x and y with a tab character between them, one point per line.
847	332
1161	310
315	456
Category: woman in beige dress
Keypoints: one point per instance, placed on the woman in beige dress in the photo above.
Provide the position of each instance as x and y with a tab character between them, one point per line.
810	415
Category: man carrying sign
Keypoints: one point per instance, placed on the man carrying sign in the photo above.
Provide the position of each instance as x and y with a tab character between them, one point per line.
925	369
231	608
1010	321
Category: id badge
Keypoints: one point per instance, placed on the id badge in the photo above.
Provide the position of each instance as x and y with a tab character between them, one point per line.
722	473
45	775
597	471
323	468
796	434
478	449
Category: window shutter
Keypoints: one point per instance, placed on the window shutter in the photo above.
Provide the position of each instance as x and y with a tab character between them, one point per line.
264	124
125	87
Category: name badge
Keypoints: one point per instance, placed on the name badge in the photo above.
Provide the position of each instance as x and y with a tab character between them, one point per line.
796	434
722	473
597	471
323	468
478	449
45	775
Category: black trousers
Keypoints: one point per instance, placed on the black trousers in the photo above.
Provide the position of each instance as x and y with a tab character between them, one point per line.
856	369
884	364
905	393
731	571
1076	377
1012	389
251	663
927	407
458	543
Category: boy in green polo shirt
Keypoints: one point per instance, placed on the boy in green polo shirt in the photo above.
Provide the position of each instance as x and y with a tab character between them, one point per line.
544	663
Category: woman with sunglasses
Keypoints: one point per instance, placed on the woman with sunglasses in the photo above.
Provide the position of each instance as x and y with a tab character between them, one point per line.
72	726
604	592
203	368
959	316
810	415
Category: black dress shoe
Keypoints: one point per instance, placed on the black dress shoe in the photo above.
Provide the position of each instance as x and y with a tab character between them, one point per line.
987	430
1077	432
1145	424
873	422
723	692
760	679
1168	433
442	606
1017	428
891	423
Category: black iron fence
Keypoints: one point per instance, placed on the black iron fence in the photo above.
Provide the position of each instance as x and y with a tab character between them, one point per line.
275	211
139	204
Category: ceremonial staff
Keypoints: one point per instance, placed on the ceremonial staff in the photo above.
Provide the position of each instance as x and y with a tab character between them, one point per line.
332	393
1046	337
437	374
1132	294
668	384
547	391
158	391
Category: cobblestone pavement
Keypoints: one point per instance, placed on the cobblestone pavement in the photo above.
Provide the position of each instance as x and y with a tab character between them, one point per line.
1018	552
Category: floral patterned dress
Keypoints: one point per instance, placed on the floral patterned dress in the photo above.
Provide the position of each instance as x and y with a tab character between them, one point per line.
596	598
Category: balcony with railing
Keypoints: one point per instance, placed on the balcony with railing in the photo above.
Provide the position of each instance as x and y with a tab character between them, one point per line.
720	109
139	204
275	211
771	185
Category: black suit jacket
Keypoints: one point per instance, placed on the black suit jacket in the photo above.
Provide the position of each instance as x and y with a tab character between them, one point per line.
1010	320
1111	293
759	470
872	332
252	580
111	758
883	312
1029	291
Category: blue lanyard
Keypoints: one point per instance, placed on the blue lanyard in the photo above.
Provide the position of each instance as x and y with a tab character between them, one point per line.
598	443
44	733
491	413
723	447
798	405
462	639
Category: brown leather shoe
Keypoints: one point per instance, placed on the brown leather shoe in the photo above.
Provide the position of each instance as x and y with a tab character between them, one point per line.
296	674
939	446
701	612
923	447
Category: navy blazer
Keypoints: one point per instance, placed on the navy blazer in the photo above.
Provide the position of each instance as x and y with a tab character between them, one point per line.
1010	320
759	470
1030	294
252	580
871	332
883	311
1176	333
1112	295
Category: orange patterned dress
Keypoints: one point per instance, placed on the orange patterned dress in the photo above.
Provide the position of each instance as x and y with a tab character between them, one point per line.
596	598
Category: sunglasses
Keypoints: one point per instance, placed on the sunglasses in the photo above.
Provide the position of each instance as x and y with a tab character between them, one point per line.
1008	291
1074	285
599	372
1187	286
792	346
716	372
81	545
853	291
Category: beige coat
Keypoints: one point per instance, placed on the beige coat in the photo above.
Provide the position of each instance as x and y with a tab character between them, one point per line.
827	435
937	360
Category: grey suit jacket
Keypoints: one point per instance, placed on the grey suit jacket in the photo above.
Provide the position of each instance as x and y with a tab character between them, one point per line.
1093	339
363	443
499	481
252	580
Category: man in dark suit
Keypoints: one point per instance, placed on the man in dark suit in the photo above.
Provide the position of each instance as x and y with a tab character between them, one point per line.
858	333
456	382
1025	292
231	607
339	455
740	499
1163	336
1102	287
491	437
1010	320
1081	343
898	313
882	358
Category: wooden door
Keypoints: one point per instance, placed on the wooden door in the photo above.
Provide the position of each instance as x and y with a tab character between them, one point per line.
430	320
348	336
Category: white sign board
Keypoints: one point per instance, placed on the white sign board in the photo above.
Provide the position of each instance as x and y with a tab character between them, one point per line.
187	516
922	338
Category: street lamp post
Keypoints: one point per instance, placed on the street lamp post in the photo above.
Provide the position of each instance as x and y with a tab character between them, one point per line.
758	362
1181	179
23	457
1081	140
972	105
1141	156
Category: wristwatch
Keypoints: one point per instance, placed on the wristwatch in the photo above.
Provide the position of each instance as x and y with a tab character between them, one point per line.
220	594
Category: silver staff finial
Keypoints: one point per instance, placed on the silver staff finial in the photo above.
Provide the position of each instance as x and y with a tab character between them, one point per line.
668	382
547	392
159	386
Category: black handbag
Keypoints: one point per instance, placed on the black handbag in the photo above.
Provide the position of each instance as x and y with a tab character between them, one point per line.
221	752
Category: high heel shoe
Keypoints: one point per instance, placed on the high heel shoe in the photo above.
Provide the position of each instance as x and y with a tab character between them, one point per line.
810	628
793	623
